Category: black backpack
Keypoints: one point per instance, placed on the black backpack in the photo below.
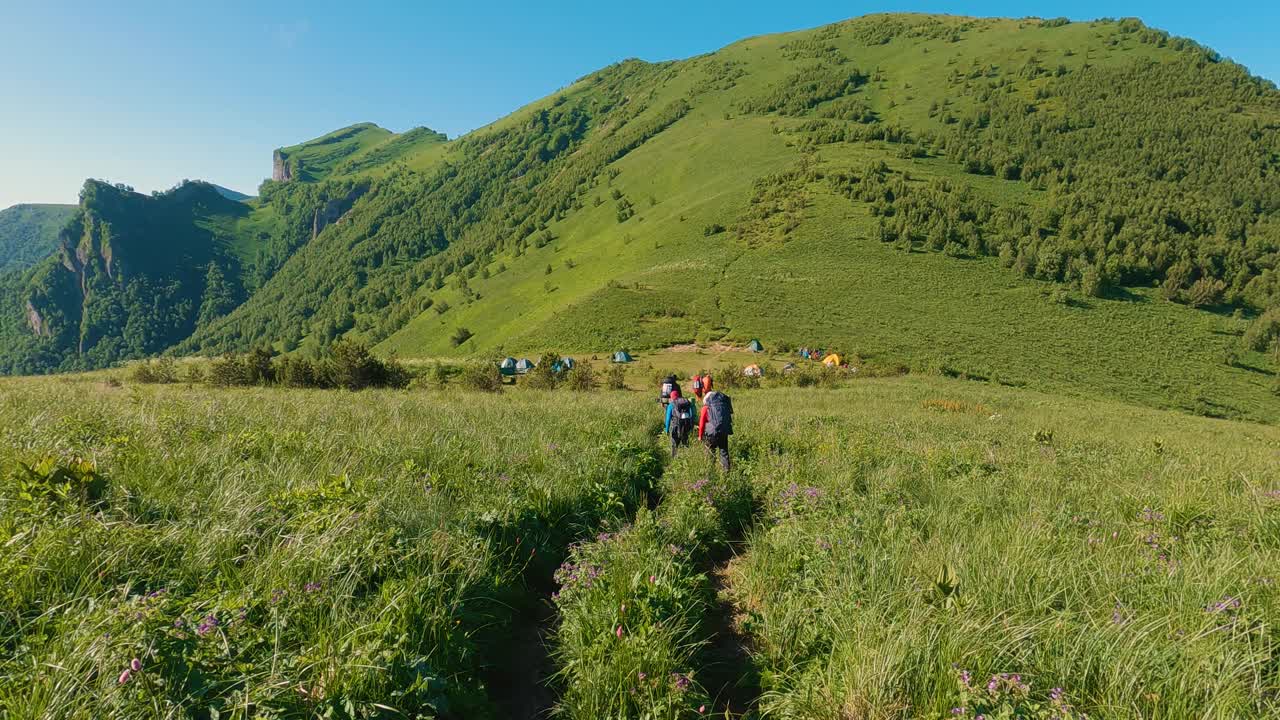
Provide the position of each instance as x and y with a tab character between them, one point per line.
681	420
719	414
668	385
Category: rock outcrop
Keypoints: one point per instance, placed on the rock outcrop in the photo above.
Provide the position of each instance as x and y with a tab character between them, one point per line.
280	170
333	210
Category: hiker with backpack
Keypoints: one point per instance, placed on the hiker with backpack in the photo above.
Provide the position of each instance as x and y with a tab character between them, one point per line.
715	425
701	384
679	422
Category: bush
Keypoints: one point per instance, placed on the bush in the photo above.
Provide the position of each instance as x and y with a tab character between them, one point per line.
228	371
353	367
616	378
482	377
460	336
299	372
582	377
543	375
1263	331
194	374
163	370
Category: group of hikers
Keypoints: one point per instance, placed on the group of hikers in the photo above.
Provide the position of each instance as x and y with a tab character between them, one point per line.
715	417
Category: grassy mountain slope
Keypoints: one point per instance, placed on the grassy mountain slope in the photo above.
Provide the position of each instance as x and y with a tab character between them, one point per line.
354	150
28	233
656	279
1075	206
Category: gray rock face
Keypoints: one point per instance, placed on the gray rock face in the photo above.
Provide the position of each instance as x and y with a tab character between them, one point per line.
333	211
280	171
35	321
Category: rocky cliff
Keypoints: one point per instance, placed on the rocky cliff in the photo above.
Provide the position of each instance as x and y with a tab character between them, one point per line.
280	167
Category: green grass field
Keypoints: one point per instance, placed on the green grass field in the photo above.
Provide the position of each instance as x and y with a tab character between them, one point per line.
289	553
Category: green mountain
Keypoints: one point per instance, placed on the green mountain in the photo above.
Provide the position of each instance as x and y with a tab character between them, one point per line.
1087	207
29	233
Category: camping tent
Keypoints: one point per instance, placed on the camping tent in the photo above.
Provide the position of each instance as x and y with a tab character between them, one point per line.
524	365
564	364
507	366
755	346
832	360
752	371
622	356
788	367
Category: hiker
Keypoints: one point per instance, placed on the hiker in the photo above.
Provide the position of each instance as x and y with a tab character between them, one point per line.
701	384
679	422
715	425
668	385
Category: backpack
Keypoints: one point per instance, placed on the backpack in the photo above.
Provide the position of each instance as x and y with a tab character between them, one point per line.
668	385
681	420
719	414
697	383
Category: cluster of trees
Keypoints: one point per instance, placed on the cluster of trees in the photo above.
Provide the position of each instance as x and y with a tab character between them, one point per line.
348	365
807	88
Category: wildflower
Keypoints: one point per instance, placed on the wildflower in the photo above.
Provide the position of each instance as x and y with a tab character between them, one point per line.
653	579
702	709
964	678
681	681
1055	694
178	623
618	631
124	676
957	711
277	596
641	675
135	665
311	587
207	625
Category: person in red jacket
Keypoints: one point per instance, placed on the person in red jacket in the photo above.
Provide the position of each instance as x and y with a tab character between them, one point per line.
715	425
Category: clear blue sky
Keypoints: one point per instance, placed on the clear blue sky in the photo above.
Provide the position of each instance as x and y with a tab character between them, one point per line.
148	93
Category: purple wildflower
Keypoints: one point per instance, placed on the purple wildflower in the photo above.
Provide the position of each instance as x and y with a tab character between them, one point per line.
681	681
124	676
135	665
207	625
311	587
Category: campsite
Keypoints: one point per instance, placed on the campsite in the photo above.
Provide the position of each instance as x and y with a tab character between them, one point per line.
760	363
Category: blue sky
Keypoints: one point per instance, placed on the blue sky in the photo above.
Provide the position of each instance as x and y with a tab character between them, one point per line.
149	93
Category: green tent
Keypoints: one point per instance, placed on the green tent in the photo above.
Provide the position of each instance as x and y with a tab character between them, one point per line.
755	346
564	364
622	356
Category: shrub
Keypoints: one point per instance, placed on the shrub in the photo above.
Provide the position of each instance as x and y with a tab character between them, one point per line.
460	336
543	375
353	367
482	377
229	370
299	372
1263	330
163	370
582	377
194	374
440	373
616	378
257	367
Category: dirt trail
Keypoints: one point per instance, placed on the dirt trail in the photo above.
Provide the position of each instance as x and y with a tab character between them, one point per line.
521	688
729	676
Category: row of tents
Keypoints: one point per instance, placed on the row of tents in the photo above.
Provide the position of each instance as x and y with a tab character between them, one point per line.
512	366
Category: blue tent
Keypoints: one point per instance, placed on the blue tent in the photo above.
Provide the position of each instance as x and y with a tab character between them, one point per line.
755	346
524	365
507	366
564	364
622	356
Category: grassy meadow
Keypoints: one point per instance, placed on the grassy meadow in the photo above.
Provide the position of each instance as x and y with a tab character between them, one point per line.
893	548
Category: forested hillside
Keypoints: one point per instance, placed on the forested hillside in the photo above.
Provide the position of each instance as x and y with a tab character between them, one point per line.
28	233
1087	206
